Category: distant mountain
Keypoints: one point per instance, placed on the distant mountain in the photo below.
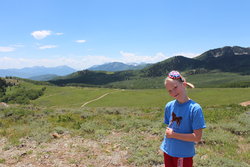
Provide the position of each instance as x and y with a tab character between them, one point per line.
117	66
44	77
93	77
227	59
29	72
179	63
226	51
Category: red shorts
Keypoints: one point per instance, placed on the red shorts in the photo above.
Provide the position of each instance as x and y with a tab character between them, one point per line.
177	162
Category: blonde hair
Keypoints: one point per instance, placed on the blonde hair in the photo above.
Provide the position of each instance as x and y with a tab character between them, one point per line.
175	75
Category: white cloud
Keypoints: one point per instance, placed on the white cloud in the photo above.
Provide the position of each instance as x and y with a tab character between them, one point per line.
6	49
8	62
78	62
41	34
18	45
95	60
133	58
47	46
190	55
80	41
59	33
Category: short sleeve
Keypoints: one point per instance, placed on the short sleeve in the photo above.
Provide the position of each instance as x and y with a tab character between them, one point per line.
166	114
198	119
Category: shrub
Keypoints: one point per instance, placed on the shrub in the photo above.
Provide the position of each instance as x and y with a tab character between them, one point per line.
23	95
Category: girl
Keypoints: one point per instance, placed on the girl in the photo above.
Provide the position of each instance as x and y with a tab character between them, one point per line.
185	122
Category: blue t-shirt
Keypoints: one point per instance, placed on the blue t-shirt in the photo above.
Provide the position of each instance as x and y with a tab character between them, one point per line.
182	118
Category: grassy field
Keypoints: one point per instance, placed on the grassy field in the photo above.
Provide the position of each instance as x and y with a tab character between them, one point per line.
218	79
72	97
212	79
127	124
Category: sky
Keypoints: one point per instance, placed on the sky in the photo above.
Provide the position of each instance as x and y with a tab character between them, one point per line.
83	33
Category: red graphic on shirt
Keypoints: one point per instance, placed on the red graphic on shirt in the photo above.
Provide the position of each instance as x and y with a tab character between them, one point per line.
175	118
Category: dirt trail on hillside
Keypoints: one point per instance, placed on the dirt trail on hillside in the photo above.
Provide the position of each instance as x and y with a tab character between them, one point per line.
94	99
100	97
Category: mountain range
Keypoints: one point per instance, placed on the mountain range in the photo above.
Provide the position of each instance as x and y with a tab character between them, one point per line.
37	71
226	59
117	66
40	73
234	59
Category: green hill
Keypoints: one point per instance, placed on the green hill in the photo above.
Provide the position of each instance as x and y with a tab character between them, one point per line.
87	77
228	59
179	63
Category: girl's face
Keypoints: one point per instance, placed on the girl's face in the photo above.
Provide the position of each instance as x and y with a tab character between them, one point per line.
176	89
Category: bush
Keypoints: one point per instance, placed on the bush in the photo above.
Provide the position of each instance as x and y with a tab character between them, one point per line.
17	114
23	95
3	86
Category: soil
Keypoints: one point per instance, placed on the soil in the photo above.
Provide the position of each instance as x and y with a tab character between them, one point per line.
65	151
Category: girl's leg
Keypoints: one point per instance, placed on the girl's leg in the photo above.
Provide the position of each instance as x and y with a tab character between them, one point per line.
183	162
168	160
177	162
188	162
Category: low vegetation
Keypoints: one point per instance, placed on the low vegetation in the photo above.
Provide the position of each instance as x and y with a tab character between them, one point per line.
141	131
124	128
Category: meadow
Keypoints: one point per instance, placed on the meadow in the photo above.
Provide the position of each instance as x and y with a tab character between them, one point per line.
119	127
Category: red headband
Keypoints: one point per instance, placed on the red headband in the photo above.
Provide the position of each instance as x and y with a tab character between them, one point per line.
175	75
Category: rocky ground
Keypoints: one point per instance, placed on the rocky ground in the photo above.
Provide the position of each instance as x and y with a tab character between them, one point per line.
65	151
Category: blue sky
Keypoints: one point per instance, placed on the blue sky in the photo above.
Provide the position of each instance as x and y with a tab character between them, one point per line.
82	33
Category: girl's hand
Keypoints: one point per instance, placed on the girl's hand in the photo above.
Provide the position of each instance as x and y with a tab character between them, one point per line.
192	137
169	133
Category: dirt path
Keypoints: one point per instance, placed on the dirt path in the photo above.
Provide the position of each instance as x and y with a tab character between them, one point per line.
98	98
246	103
94	99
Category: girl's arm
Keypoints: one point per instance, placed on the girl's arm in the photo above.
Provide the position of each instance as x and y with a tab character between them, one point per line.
192	137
